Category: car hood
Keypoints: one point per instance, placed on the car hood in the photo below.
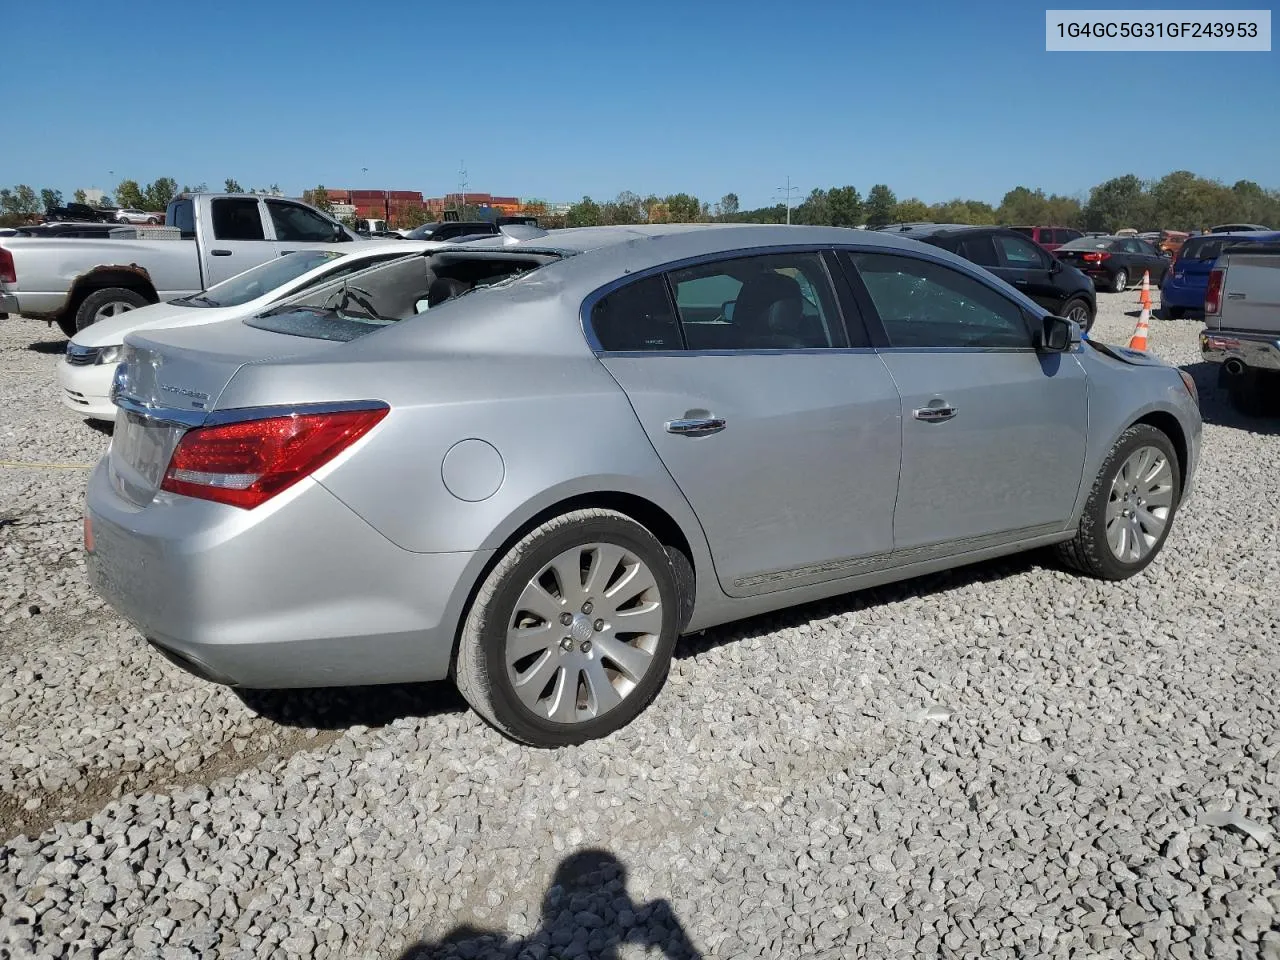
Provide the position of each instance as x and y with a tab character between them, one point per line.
113	330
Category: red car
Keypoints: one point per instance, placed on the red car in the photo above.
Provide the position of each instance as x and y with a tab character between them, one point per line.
1051	238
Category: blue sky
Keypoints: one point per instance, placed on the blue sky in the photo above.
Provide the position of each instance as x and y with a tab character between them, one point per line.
561	99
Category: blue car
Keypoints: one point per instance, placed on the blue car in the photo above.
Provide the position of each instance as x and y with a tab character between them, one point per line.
1183	288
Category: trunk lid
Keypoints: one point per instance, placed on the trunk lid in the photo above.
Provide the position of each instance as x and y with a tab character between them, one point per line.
169	381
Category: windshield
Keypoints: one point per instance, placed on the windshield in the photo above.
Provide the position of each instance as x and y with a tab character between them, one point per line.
260	280
1089	243
421	233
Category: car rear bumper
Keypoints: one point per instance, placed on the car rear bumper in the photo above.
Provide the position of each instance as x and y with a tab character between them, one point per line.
299	592
1257	351
87	389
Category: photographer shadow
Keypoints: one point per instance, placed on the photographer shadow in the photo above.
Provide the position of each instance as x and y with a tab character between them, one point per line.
587	913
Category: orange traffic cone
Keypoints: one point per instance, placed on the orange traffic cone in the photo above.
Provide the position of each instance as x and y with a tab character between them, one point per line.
1139	339
1145	297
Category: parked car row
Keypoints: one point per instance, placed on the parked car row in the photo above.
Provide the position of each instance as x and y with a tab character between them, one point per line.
351	484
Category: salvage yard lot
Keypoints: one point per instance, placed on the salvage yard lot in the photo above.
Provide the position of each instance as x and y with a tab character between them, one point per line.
1001	760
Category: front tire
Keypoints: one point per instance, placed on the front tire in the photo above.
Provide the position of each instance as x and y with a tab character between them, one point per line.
1119	281
1077	309
1130	509
109	302
570	636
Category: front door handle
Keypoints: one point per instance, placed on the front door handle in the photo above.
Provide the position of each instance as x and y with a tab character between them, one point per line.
696	427
221	253
1021	283
934	414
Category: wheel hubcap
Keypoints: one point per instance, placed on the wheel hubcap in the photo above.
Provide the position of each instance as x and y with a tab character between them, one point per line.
583	633
1079	314
111	310
1139	504
1122	280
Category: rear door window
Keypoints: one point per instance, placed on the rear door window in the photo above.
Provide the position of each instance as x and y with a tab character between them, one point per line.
979	250
779	301
637	317
236	219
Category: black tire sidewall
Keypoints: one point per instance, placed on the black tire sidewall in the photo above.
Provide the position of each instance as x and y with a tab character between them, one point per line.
99	298
506	704
1141	436
1089	316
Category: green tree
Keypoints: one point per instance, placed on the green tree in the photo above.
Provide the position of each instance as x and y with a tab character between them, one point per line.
1117	203
201	187
231	186
814	209
881	204
318	198
50	198
906	211
409	217
628	208
845	206
962	211
159	192
1023	206
584	213
1182	201
129	194
728	205
79	197
1064	212
684	208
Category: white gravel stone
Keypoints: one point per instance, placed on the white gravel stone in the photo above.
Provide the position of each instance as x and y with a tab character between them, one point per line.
784	796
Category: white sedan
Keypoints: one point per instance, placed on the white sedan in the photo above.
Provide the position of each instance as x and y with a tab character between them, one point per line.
89	365
133	215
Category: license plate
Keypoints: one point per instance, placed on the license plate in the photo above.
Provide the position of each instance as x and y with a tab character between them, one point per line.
141	448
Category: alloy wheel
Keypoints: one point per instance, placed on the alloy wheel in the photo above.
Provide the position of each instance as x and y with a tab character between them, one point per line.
111	309
583	633
1139	504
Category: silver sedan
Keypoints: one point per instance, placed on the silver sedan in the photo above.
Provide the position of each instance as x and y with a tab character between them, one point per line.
531	468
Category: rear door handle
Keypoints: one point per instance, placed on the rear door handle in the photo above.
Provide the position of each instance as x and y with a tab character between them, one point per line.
1021	283
696	427
220	253
934	414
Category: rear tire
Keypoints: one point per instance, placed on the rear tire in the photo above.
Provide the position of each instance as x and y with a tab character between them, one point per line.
517	666
1092	550
1119	281
104	303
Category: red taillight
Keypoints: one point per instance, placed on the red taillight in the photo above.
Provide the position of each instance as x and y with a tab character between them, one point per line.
247	463
1096	257
1213	295
8	272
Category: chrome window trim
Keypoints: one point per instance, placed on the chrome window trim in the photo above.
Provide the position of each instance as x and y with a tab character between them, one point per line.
203	418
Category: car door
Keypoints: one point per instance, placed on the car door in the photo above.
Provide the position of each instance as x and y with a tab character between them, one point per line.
1029	268
993	433
239	238
300	228
783	438
1151	260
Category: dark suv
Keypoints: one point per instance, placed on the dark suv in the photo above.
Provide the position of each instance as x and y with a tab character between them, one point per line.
1019	262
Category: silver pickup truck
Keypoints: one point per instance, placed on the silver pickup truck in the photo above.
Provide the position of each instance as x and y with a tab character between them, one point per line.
75	282
1242	324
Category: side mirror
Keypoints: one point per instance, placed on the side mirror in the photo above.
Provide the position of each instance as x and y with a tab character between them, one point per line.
1057	334
1055	265
339	234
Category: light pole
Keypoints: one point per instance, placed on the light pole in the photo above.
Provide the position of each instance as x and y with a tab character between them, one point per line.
787	192
462	187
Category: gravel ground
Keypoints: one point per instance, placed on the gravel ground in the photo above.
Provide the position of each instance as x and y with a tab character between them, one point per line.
1002	761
